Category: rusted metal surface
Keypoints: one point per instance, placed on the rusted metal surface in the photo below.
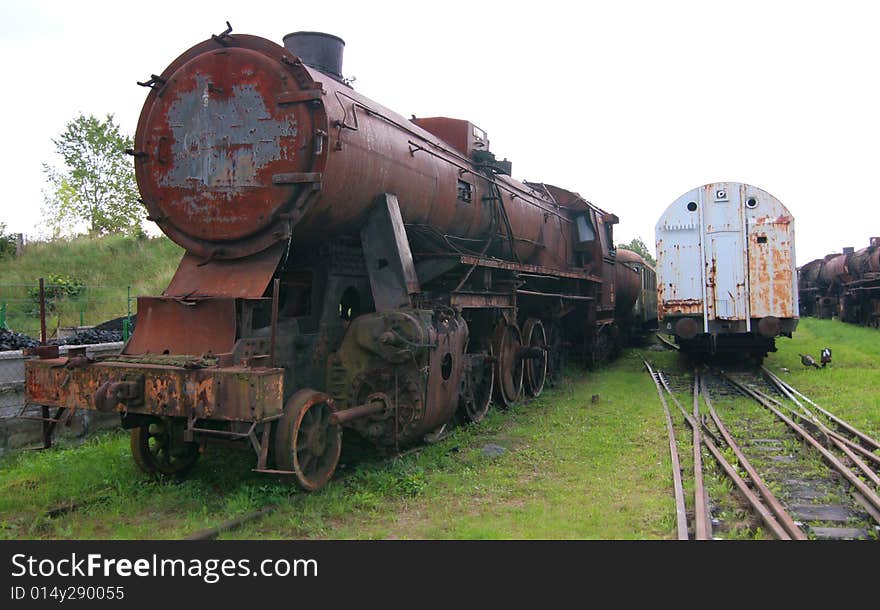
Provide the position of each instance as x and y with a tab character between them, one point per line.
627	280
845	285
463	136
42	313
829	457
467	300
376	405
535	358
415	358
702	525
223	190
243	278
506	345
773	503
273	332
308	443
768	518
214	131
389	261
525	268
678	488
265	167
179	326
772	275
725	253
235	393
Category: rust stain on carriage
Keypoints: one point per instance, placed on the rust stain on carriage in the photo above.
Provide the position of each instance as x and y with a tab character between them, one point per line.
770	268
680	307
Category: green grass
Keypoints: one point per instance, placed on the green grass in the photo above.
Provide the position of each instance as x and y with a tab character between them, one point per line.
572	468
848	387
107	265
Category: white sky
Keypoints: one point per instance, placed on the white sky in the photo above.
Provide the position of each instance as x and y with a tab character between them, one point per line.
629	103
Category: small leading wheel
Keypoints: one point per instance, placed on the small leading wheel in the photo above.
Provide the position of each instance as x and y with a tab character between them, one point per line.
536	361
473	404
158	448
305	440
506	344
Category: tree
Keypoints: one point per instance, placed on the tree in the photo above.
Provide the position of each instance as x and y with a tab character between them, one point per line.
639	247
97	186
8	242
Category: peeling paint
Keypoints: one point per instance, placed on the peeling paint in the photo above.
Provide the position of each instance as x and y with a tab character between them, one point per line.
222	142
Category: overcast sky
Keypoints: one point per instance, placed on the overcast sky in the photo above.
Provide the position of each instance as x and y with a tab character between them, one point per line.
631	104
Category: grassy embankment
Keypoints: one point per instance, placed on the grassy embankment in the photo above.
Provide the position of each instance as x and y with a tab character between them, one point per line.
572	468
106	266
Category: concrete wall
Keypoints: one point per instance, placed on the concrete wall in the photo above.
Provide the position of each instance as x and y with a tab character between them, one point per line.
17	433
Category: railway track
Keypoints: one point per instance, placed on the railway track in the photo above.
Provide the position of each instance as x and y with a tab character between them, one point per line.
802	471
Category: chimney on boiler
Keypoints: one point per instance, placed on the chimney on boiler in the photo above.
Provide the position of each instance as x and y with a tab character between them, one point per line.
317	50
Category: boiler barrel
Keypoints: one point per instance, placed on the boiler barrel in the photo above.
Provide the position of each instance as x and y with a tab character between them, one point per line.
833	270
239	144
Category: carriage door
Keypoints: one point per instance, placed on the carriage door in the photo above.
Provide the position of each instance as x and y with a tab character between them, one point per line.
771	258
724	249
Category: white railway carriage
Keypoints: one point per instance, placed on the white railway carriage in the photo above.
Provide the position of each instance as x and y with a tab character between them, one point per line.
726	276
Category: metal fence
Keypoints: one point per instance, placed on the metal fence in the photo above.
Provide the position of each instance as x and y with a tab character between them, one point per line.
69	305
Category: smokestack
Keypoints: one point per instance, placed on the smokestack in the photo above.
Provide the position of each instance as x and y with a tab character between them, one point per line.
317	50
849	250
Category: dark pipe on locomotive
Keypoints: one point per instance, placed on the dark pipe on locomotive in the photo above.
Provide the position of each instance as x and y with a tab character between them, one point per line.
417	281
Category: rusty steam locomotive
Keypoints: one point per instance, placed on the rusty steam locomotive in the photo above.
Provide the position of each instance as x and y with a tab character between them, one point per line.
345	268
845	285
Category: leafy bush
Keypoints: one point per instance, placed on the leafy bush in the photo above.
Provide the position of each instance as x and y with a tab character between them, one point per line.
56	288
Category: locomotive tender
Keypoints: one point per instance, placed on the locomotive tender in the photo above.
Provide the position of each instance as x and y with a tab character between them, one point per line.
845	285
726	275
345	268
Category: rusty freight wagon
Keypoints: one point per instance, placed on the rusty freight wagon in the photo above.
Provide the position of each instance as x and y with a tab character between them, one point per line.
726	278
345	268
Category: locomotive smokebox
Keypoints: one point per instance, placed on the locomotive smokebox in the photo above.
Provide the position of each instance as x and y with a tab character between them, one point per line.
318	50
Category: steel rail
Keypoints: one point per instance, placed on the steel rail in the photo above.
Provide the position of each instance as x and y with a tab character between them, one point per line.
768	518
875	444
835	439
702	526
785	520
667	342
680	510
860	485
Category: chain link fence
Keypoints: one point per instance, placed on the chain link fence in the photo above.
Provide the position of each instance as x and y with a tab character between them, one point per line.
75	313
70	307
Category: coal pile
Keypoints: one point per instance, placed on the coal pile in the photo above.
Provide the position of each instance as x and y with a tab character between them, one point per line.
10	340
106	332
116	324
89	336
